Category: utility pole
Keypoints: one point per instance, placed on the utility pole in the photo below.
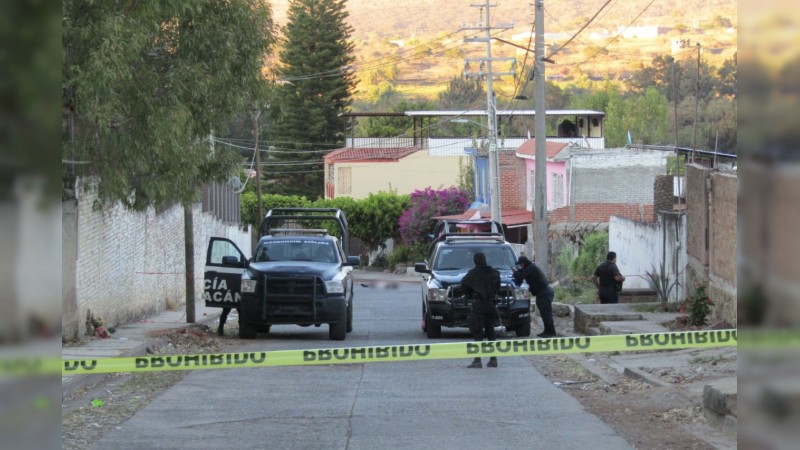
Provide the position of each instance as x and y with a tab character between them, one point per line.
696	93
540	243
491	108
256	114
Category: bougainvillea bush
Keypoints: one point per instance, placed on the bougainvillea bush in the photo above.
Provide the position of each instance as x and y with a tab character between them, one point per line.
417	224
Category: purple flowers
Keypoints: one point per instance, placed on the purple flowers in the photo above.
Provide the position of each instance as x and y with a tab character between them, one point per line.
416	223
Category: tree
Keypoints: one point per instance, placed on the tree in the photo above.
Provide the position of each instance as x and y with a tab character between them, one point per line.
317	87
462	93
375	219
145	83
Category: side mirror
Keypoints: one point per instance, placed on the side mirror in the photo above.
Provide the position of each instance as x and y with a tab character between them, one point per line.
353	261
231	261
421	268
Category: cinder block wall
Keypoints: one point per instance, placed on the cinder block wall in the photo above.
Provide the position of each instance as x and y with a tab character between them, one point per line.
130	265
723	239
711	208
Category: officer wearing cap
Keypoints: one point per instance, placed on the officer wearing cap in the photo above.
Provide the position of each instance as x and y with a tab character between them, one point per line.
481	284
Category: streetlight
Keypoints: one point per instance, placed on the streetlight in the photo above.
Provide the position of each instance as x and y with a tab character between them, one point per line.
494	170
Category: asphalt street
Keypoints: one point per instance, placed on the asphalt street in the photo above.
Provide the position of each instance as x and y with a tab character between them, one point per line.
417	404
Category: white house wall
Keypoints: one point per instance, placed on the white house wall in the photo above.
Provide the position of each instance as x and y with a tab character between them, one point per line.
640	249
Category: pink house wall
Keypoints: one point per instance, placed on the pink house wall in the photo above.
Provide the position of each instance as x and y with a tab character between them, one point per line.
551	167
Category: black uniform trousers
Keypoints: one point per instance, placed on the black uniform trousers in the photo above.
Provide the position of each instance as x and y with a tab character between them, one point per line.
482	320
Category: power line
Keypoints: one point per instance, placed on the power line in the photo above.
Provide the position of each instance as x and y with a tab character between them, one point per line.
617	35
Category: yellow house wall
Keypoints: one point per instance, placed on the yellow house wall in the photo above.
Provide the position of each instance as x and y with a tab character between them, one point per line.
416	171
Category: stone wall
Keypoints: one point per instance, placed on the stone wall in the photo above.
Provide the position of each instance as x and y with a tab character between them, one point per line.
711	243
128	265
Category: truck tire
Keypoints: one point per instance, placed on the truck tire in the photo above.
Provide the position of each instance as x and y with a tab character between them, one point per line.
337	331
350	316
523	329
432	330
246	330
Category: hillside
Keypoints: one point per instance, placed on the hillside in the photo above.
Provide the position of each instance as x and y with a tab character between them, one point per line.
417	46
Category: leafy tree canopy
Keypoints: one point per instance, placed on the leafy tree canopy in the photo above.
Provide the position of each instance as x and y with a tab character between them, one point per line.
145	83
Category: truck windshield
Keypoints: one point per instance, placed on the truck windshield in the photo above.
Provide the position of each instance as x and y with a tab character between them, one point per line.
296	250
460	257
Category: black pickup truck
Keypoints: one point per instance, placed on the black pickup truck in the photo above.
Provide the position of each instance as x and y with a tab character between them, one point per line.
298	274
444	303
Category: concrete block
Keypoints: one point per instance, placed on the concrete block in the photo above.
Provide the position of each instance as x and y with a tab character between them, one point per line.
631	327
719	396
591	315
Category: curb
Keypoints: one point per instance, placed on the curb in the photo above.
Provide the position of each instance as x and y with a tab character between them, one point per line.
639	375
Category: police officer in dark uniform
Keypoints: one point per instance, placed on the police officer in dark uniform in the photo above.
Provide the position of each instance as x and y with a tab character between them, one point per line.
540	288
481	284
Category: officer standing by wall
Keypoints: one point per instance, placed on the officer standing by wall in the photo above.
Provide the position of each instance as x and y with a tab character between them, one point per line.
608	280
481	284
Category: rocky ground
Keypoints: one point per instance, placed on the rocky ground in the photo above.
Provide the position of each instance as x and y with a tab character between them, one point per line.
651	417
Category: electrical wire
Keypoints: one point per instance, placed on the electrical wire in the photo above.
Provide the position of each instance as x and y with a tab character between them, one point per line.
615	37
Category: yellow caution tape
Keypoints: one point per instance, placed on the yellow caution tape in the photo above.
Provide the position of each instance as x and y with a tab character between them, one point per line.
445	350
356	355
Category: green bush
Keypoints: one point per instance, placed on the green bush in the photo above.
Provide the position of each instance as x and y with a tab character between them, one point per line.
407	254
592	253
699	307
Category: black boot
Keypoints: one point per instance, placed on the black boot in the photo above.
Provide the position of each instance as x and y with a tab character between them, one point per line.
221	328
476	364
492	362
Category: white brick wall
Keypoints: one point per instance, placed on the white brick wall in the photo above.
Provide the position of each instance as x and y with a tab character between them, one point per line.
131	264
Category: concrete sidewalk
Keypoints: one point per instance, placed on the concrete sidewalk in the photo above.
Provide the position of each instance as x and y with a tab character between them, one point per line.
132	339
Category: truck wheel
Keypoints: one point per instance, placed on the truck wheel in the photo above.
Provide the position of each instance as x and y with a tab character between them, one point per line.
433	330
350	316
337	331
523	329
246	330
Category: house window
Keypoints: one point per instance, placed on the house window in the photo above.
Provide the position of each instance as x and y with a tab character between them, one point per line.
345	185
558	190
331	173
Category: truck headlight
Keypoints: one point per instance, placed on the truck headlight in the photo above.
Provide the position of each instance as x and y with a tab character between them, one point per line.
248	283
437	295
334	287
248	286
522	293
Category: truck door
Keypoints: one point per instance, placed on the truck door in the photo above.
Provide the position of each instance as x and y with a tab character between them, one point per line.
223	273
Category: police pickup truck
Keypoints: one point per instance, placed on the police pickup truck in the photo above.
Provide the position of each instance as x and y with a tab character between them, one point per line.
298	274
444	303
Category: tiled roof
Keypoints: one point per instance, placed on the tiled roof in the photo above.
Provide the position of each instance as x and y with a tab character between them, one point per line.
528	148
351	154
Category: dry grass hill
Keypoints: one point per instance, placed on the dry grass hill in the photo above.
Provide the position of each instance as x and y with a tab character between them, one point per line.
417	45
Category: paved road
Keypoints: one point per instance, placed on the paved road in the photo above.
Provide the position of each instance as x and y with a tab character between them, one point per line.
424	404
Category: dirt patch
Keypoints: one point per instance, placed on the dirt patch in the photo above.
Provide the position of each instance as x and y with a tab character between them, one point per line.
89	413
652	417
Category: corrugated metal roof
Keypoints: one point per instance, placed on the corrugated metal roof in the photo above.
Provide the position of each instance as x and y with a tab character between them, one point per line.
508	112
510	217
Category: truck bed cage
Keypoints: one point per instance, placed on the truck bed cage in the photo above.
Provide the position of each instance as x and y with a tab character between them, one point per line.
278	215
